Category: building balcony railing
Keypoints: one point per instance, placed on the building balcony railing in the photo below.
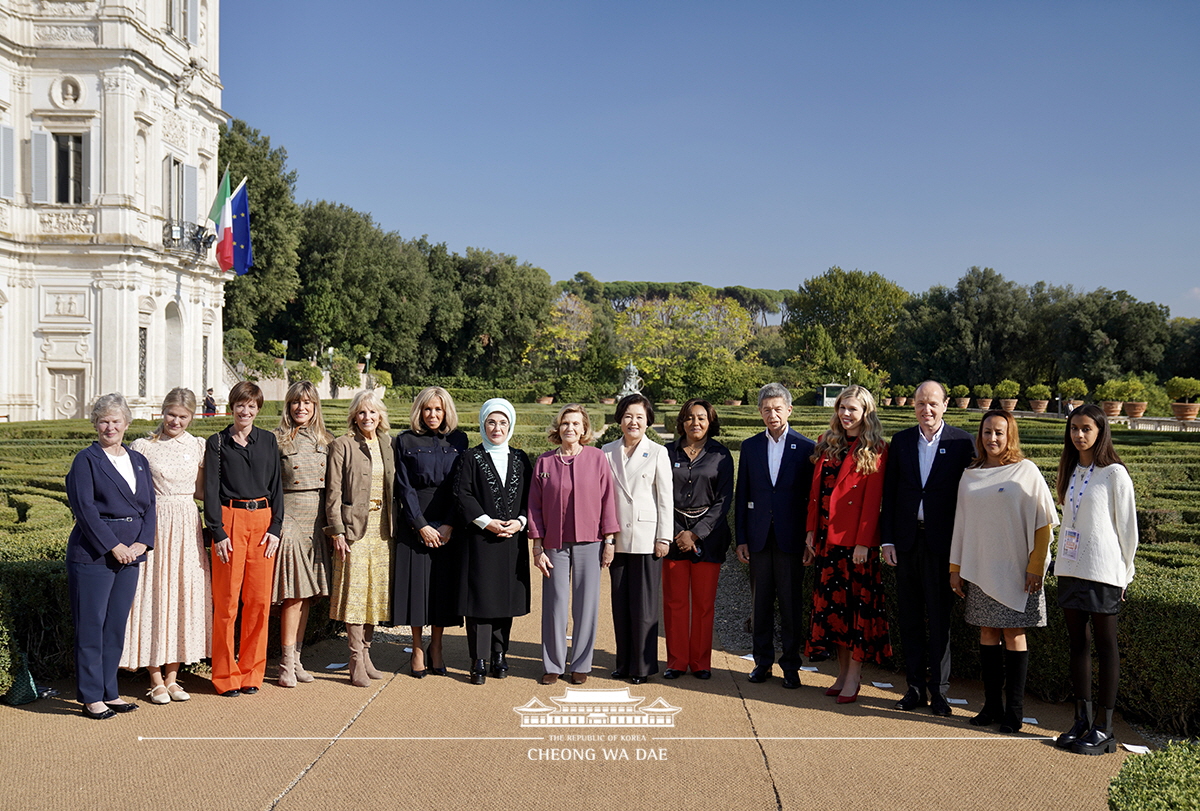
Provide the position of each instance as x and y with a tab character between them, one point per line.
187	237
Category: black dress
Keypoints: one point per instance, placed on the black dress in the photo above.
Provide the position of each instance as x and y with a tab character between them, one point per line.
495	571
426	581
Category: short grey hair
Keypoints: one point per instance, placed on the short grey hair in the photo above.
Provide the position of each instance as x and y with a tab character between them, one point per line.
774	390
111	404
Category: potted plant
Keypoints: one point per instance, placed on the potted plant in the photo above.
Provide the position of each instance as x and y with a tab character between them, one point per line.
961	395
1135	390
543	394
902	393
1184	391
670	396
1007	391
1074	390
1039	397
885	395
983	396
1111	394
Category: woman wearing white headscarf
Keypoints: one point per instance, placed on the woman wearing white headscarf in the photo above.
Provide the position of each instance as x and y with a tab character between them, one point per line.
493	494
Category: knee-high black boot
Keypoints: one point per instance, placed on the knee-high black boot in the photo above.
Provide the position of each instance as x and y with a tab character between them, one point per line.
1016	668
991	666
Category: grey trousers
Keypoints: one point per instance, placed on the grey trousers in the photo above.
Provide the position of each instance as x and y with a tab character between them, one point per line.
575	577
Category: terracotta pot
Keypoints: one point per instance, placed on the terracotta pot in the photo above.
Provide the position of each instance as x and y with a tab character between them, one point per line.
887	401
1038	406
607	400
1112	408
545	400
962	402
984	403
733	402
670	401
362	367
1185	411
1135	409
1075	404
1009	404
901	401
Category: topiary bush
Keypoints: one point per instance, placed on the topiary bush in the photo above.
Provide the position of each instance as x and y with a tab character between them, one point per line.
1164	780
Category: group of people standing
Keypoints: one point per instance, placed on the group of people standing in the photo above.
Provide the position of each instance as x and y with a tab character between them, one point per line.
421	531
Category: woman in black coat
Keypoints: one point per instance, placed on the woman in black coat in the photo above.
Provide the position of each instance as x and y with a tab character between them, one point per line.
428	563
493	493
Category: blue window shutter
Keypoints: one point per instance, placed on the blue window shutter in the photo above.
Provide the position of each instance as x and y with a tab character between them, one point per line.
42	154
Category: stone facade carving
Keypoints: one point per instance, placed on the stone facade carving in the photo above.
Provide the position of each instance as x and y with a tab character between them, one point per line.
67	34
66	8
174	129
67	222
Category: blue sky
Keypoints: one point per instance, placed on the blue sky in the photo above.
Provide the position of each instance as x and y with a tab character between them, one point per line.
753	143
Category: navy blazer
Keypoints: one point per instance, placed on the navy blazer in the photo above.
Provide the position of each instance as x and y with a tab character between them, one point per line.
96	492
759	504
903	492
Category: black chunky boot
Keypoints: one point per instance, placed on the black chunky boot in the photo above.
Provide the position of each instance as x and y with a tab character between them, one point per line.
1099	739
1016	668
478	672
1083	722
991	665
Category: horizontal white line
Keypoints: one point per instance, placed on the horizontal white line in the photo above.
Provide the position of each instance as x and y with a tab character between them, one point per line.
863	738
336	738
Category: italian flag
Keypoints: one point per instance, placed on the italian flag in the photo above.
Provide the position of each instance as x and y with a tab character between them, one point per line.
222	219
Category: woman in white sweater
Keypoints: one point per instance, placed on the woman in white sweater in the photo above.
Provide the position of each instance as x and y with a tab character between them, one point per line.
1096	546
1001	548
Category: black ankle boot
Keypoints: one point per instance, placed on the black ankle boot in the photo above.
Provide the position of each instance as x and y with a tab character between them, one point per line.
1083	722
1099	739
1016	668
499	666
991	666
478	672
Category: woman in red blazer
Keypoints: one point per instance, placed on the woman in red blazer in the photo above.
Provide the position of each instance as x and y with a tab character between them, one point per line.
843	533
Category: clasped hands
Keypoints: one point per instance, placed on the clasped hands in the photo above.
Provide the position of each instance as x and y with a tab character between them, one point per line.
128	554
504	529
433	538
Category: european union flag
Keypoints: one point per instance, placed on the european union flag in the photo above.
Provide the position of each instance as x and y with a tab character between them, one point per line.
243	251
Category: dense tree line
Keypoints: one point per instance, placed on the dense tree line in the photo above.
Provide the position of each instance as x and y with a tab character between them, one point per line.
335	285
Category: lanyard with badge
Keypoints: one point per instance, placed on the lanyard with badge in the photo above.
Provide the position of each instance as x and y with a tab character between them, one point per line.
1070	537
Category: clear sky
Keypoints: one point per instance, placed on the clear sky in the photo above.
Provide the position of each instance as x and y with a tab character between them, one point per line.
753	143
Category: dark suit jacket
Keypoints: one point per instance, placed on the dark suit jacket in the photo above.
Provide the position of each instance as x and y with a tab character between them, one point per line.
902	490
96	491
853	505
759	504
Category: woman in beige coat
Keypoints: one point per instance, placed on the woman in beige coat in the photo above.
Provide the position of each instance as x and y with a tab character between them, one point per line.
645	499
358	506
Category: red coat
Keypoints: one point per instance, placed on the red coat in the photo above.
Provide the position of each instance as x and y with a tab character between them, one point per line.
853	506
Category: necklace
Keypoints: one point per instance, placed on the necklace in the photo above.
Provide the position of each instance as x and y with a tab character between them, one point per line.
692	451
566	459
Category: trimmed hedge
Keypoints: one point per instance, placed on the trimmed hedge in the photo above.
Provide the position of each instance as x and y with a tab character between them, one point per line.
1165	780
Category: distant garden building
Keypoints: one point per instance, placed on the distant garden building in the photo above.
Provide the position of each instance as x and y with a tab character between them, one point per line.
108	149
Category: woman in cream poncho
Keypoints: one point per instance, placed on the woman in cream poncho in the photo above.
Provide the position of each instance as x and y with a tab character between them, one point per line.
1000	549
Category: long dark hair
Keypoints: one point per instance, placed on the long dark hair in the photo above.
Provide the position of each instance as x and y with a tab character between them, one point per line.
1103	452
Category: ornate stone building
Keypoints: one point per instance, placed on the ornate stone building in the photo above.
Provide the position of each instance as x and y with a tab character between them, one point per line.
108	164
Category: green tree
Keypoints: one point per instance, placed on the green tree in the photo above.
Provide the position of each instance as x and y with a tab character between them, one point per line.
1182	355
446	316
759	303
859	311
252	299
563	338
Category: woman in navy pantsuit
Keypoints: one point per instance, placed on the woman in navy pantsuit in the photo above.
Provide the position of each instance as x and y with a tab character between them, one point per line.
112	498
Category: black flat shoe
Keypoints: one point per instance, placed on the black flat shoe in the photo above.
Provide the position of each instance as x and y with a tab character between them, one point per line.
126	707
759	674
703	675
791	679
499	666
638	679
672	674
230	694
249	690
618	674
912	699
98	716
939	706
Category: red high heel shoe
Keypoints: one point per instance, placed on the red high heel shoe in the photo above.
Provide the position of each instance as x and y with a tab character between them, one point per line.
849	699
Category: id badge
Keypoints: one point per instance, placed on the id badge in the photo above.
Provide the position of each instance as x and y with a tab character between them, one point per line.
1070	539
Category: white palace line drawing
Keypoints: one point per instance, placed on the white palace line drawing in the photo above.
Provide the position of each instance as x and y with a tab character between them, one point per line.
597	708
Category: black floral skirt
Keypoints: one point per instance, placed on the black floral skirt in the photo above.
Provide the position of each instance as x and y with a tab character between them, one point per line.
848	608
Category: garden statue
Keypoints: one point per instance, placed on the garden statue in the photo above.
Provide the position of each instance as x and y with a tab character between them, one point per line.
632	383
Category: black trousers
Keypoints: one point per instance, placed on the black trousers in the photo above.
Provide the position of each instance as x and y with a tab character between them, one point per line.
776	575
924	605
636	599
487	636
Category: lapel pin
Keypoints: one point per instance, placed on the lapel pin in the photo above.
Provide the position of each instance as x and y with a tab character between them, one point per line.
943	450
647	453
793	446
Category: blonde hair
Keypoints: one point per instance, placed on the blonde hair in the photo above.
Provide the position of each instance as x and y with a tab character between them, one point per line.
369	398
573	408
423	398
175	397
834	444
287	430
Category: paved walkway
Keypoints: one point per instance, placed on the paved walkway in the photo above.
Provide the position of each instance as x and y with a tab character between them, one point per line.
443	743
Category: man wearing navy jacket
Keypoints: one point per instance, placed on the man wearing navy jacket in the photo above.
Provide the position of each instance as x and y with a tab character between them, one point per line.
920	491
774	475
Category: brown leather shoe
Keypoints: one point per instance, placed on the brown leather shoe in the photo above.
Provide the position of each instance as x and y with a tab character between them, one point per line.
578	678
549	678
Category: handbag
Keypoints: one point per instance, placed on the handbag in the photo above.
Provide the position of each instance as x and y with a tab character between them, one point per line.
205	531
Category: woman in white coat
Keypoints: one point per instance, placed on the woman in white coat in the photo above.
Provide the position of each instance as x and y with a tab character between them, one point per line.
645	502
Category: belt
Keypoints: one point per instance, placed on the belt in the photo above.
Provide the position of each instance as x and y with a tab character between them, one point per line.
114	520
376	505
251	505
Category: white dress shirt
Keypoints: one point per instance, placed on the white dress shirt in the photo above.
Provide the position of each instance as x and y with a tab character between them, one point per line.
775	453
926	453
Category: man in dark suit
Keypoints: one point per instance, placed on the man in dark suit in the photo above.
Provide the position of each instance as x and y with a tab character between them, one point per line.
920	490
774	474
